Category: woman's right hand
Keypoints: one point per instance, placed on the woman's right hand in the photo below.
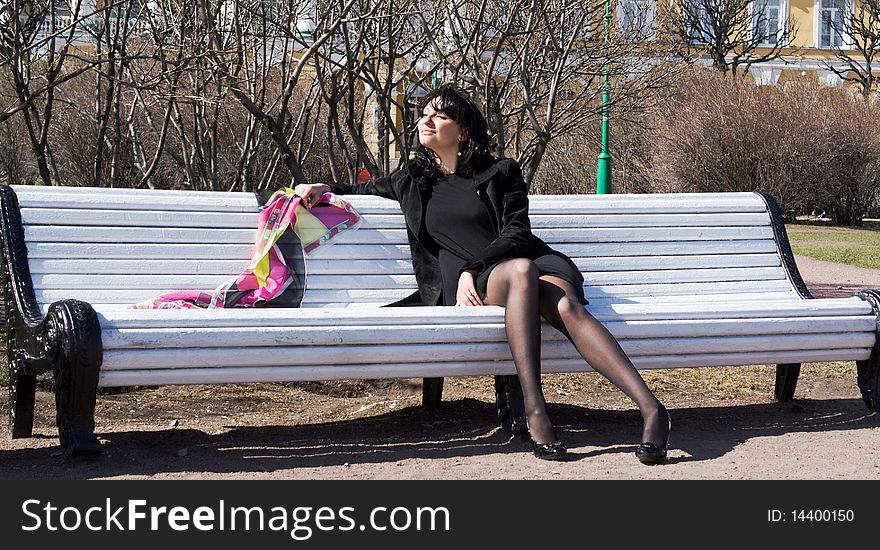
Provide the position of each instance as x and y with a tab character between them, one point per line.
467	294
311	193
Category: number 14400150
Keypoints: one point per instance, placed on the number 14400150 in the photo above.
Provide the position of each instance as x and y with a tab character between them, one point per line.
811	515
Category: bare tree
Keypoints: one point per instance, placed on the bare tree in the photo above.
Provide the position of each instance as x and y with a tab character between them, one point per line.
733	33
365	71
244	94
855	37
155	87
291	49
35	47
537	67
116	46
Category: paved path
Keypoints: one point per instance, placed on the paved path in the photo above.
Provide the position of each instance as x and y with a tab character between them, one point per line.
832	280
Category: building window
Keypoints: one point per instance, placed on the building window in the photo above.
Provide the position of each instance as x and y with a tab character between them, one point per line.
769	21
572	19
698	22
62	14
636	18
832	19
412	114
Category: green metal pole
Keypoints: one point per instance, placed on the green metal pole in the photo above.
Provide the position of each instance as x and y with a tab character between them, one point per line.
603	169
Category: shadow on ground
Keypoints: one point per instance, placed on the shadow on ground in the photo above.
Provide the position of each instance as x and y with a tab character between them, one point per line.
460	429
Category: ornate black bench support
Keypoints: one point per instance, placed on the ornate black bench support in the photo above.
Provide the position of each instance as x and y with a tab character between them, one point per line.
786	381
78	358
66	341
868	372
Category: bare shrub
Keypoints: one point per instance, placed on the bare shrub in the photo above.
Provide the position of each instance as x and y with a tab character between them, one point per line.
570	162
16	158
74	133
569	167
204	150
16	165
806	145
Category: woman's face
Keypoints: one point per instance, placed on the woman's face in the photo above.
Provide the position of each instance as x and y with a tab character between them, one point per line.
437	131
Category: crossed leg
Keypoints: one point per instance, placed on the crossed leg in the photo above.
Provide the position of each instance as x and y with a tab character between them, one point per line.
561	306
526	296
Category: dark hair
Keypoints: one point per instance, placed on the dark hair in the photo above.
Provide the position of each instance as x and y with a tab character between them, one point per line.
473	152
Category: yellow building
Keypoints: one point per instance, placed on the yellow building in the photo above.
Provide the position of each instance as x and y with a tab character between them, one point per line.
817	31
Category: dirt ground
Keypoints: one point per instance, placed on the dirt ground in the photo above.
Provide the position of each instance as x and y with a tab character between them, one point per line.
725	426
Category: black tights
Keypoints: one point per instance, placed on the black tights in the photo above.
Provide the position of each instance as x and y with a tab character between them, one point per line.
526	297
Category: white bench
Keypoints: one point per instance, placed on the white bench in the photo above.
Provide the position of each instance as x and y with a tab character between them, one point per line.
682	280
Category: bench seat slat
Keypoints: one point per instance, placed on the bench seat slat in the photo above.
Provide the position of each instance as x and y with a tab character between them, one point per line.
129	296
144	199
228	268
318	266
110	378
618	293
650	263
68	233
134	199
588	250
476	351
384	251
114	338
45	281
138	218
626	292
279	317
169	219
626	219
657	299
102	251
602	302
166	218
206	282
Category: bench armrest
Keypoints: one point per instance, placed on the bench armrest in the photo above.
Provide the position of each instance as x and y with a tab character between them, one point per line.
777	222
67	340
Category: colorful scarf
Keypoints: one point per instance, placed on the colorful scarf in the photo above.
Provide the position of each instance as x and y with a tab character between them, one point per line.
270	272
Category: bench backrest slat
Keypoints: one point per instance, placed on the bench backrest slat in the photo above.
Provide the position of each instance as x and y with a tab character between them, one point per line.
116	247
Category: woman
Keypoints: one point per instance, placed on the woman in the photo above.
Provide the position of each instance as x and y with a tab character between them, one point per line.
467	219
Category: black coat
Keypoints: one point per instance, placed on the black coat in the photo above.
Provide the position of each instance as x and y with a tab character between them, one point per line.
500	185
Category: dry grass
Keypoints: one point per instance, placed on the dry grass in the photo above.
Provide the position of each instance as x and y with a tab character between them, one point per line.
313	402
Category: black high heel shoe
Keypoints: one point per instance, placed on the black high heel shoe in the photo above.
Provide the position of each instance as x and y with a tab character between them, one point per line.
651	454
547	451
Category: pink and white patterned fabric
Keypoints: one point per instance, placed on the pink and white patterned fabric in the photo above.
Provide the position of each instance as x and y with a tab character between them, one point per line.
270	273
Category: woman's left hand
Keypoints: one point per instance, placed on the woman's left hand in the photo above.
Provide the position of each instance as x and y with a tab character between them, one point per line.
467	294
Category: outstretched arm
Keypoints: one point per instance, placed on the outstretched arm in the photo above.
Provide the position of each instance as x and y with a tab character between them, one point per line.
312	192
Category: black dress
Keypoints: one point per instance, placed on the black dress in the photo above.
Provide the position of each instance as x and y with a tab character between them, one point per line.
461	226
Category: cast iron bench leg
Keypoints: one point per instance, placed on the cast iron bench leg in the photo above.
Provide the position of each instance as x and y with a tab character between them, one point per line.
22	395
22	382
786	380
868	372
869	379
509	404
432	393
